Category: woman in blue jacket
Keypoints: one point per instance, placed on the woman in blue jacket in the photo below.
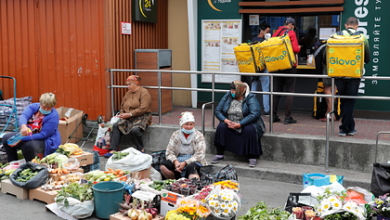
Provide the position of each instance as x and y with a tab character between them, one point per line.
240	126
42	120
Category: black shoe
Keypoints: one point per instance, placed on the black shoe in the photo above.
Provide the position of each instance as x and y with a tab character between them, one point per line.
266	114
289	121
276	119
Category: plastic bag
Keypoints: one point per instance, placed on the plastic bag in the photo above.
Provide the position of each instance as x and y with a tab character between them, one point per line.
115	119
71	164
154	174
38	180
135	161
77	209
368	196
316	191
101	132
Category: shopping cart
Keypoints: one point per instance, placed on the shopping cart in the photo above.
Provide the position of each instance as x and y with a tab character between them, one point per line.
10	111
84	120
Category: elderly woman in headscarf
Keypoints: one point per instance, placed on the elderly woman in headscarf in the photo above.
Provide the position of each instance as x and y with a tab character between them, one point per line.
186	149
135	115
240	126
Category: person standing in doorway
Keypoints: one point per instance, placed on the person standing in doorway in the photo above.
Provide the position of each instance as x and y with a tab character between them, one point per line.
264	34
286	82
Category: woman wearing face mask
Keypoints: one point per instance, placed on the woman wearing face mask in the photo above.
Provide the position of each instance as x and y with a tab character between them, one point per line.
185	149
39	124
240	126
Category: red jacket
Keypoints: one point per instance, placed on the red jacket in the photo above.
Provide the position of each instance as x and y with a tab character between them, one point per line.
293	38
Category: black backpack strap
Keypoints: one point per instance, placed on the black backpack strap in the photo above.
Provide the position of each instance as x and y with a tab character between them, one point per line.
281	30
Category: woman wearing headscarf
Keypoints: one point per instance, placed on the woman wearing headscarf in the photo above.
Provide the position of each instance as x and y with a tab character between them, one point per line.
185	149
135	115
240	126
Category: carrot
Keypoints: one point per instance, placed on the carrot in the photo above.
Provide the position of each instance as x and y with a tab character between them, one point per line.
111	170
59	171
65	171
107	172
34	160
121	173
118	170
53	171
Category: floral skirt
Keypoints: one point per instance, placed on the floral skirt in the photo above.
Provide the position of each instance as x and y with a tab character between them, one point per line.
126	125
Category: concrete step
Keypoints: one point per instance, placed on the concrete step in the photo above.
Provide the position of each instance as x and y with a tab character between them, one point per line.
290	173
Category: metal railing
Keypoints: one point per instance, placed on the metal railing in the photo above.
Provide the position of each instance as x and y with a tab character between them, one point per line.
271	93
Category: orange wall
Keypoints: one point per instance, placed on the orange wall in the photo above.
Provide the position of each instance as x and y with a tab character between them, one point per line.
54	46
66	46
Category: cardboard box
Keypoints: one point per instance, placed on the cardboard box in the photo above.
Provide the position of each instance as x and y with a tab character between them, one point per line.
42	195
66	127
8	187
119	216
168	201
56	177
85	159
141	174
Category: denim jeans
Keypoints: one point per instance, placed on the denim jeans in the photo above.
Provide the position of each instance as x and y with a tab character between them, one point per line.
265	86
347	87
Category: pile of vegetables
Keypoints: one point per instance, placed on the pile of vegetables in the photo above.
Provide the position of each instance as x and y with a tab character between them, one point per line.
261	211
98	175
69	149
26	174
55	160
159	185
137	211
2	166
81	192
119	155
59	171
4	174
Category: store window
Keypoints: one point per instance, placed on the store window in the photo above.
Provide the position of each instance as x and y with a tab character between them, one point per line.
310	30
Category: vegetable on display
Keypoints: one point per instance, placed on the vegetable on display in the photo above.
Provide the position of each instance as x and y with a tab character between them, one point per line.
81	192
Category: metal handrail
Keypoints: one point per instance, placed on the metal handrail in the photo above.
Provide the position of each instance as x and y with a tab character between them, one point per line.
376	145
203	116
271	93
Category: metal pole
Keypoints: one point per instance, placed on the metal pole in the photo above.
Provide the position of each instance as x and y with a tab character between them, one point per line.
376	145
112	94
328	116
203	121
333	110
212	98
159	98
271	117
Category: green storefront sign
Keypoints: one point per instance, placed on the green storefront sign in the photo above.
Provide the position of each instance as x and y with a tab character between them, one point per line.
373	16
209	10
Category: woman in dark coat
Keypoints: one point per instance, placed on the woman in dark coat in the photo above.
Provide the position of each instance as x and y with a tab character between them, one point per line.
240	126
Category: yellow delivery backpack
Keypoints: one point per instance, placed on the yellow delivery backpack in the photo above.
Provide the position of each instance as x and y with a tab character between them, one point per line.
345	55
249	57
278	53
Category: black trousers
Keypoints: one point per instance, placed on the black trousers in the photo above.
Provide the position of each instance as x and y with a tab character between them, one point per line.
30	149
221	151
279	84
190	169
117	134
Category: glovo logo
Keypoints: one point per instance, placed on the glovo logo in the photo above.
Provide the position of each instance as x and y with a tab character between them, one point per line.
337	61
245	62
271	59
212	6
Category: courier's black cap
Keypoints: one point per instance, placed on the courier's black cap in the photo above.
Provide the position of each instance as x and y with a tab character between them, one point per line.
289	20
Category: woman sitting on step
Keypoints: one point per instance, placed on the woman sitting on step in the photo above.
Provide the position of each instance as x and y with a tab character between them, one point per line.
240	126
135	115
185	150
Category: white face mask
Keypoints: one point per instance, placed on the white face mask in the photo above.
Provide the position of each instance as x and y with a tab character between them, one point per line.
267	36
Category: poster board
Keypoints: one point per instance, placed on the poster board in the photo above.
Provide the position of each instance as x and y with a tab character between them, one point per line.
219	37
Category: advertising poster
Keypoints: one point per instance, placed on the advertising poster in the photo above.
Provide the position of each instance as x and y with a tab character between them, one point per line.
219	38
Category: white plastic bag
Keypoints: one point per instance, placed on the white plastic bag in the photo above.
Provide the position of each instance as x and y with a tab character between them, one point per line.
77	209
368	196
135	161
115	119
316	191
154	174
101	132
71	164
